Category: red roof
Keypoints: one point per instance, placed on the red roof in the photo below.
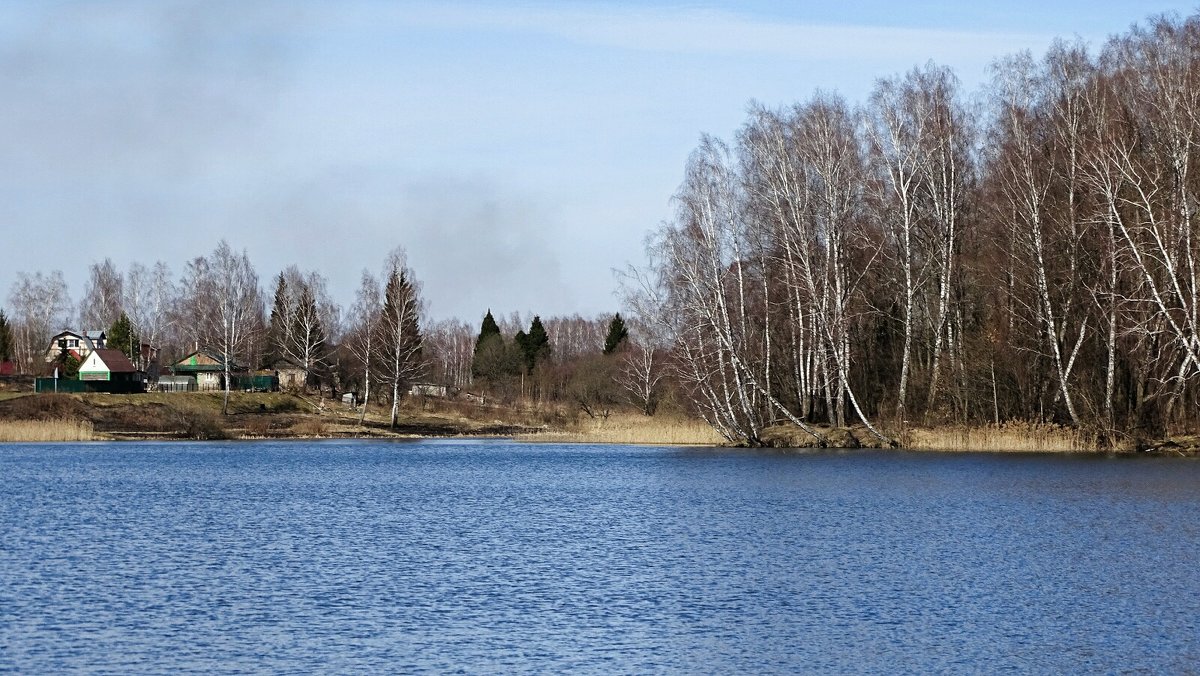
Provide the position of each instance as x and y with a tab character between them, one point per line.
116	361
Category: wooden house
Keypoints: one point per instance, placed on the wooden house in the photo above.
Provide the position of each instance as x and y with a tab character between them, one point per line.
291	376
208	368
109	365
78	344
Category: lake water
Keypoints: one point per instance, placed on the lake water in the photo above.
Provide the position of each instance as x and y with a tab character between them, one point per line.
492	556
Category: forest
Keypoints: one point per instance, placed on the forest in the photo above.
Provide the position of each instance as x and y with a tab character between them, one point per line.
1027	253
929	256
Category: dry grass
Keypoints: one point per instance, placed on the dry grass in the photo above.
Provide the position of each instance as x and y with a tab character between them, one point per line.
635	429
1011	436
61	429
309	428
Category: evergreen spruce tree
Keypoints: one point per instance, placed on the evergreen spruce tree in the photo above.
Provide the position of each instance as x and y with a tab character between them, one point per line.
522	345
488	345
536	347
279	328
617	334
121	336
6	338
488	329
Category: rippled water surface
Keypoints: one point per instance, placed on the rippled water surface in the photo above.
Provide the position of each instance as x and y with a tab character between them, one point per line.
499	557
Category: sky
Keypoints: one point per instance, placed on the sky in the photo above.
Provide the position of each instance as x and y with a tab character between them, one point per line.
518	151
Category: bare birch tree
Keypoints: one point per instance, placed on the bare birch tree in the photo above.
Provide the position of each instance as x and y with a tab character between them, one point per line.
1026	177
230	284
364	338
150	295
103	299
40	305
399	328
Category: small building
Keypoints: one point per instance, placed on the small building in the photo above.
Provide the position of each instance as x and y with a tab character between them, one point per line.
291	376
110	365
208	368
175	384
107	370
78	344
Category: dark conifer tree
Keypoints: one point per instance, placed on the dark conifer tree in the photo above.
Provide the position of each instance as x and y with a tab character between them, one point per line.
522	344
488	329
279	327
537	345
617	334
489	343
6	338
121	336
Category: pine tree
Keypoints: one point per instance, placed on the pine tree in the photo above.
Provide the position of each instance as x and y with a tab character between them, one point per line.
121	336
6	338
617	334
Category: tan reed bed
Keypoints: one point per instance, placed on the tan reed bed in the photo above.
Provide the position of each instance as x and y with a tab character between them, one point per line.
62	429
1016	436
623	428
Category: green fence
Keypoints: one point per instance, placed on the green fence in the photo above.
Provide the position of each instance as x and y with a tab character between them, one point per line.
64	386
255	383
59	385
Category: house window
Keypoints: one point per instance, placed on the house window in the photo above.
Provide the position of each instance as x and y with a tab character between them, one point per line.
72	342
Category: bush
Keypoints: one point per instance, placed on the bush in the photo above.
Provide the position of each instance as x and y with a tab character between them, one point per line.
204	427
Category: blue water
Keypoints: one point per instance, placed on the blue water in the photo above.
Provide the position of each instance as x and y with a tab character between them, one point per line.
355	557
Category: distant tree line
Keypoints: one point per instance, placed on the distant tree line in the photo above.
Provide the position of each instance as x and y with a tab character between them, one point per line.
919	260
377	348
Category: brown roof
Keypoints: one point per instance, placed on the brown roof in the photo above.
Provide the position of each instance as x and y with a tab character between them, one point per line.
116	361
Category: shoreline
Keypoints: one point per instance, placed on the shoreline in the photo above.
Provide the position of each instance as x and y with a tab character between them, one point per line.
42	418
141	437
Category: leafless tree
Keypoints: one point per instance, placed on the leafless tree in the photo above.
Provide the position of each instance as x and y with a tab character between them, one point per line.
229	286
643	360
451	344
39	305
103	300
1025	177
150	296
363	337
897	123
